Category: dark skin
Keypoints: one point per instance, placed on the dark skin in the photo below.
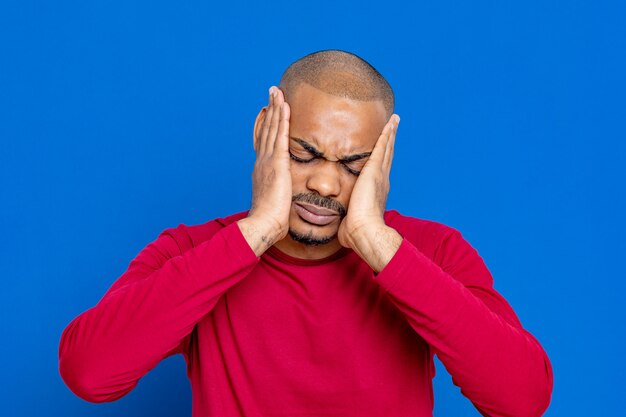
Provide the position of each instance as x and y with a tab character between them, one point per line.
334	147
306	153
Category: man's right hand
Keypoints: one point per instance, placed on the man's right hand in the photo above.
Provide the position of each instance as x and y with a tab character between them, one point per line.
268	219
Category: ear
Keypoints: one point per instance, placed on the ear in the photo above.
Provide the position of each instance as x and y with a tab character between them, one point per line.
258	125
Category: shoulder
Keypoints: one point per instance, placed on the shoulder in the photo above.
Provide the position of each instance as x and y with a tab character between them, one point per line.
445	246
426	235
189	236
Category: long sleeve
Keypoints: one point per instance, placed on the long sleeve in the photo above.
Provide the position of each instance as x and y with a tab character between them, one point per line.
450	302
150	311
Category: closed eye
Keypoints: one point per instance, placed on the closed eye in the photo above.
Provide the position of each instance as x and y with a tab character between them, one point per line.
305	153
350	170
301	160
345	165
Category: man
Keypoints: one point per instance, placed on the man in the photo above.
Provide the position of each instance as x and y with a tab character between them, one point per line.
316	301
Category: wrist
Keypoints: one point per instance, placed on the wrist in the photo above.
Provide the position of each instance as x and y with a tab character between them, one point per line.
260	234
376	244
363	232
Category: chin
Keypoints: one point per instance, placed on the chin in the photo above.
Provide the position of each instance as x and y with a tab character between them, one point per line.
312	235
311	239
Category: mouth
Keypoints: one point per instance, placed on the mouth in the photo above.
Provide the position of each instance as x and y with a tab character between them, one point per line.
315	215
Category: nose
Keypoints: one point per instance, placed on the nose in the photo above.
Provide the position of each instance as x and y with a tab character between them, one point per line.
325	179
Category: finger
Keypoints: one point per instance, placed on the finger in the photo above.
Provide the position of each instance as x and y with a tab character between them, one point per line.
378	153
266	123
275	120
388	158
282	139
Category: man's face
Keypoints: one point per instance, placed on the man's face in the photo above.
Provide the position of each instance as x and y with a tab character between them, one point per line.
330	141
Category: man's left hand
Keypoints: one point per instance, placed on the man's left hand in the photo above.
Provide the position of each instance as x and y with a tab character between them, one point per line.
364	229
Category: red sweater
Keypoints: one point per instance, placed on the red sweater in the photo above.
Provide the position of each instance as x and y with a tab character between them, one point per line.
281	336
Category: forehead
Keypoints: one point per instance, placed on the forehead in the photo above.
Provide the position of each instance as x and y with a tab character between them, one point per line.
335	125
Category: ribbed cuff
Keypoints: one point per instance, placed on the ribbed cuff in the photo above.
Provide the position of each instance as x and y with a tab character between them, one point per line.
397	268
238	245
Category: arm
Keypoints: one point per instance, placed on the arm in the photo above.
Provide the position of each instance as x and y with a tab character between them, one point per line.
450	303
149	311
498	365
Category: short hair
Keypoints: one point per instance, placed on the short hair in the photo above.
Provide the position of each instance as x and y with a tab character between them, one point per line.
339	73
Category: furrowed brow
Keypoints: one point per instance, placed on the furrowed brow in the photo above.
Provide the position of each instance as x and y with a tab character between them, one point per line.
309	148
355	157
313	151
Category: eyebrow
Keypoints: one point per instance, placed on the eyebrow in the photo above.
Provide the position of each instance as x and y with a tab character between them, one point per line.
313	151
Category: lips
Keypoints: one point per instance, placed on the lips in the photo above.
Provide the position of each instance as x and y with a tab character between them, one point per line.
316	215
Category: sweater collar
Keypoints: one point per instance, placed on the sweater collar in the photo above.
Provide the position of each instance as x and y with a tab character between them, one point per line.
288	259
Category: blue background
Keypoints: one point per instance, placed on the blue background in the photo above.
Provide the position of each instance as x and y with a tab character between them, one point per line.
119	119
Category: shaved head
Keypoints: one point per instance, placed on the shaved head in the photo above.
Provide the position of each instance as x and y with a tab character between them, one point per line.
341	74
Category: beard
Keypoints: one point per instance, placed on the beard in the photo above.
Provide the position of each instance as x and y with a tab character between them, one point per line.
309	238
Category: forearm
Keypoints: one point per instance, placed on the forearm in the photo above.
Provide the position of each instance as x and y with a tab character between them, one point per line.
500	367
105	350
375	244
260	235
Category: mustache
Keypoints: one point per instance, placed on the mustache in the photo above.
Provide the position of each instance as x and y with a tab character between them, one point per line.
318	200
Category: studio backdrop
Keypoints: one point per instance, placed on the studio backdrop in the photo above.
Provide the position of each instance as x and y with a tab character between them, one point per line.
120	119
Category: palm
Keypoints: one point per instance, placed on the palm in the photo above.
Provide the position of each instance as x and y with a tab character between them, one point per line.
271	178
369	195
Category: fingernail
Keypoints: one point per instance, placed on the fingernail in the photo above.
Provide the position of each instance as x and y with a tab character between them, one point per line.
271	90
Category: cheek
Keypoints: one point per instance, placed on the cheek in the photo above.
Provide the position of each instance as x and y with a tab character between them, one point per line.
347	189
298	177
